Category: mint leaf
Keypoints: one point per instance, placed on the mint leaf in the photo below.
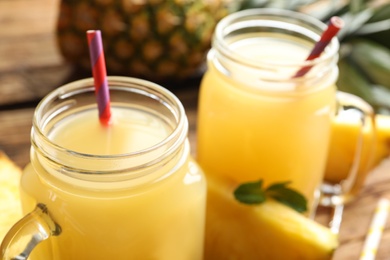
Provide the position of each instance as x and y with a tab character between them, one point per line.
254	193
278	185
250	193
287	196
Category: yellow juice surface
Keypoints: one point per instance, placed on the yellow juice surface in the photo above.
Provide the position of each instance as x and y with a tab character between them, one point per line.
247	132
129	132
163	219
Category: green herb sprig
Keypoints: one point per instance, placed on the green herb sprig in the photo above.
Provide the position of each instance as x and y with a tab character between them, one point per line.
254	193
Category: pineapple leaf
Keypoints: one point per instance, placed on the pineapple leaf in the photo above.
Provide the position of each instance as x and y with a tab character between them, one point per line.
374	27
354	21
353	81
324	11
247	4
381	96
374	59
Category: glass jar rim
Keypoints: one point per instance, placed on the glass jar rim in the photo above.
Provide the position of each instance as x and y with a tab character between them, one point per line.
143	87
236	20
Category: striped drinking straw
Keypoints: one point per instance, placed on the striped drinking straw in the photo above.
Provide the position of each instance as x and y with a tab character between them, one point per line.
335	24
375	231
99	75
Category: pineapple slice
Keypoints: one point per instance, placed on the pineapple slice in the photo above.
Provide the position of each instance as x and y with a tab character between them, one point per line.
10	208
266	231
382	124
343	146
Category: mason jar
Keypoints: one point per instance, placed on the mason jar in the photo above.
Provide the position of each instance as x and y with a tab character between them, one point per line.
259	117
129	190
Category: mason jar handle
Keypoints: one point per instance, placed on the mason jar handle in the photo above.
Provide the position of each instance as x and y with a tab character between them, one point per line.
348	101
27	233
333	195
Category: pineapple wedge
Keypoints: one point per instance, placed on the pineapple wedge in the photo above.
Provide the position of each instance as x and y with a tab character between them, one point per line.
382	124
342	150
266	231
10	208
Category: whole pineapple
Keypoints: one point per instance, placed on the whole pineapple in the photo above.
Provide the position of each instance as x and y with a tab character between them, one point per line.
153	39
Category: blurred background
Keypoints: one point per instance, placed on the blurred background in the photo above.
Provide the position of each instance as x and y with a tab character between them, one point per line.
43	45
166	41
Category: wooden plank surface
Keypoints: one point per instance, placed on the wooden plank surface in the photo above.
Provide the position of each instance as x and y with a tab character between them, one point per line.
31	66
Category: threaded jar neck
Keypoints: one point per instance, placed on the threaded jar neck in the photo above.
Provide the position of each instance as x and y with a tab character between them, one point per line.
243	49
126	93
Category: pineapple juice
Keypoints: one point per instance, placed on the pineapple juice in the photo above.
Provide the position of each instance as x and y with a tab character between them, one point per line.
160	218
252	128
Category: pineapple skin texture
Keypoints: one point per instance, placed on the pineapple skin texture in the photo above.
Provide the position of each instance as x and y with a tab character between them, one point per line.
152	39
268	231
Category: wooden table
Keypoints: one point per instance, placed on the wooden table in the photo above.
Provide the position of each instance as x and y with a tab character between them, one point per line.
31	66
